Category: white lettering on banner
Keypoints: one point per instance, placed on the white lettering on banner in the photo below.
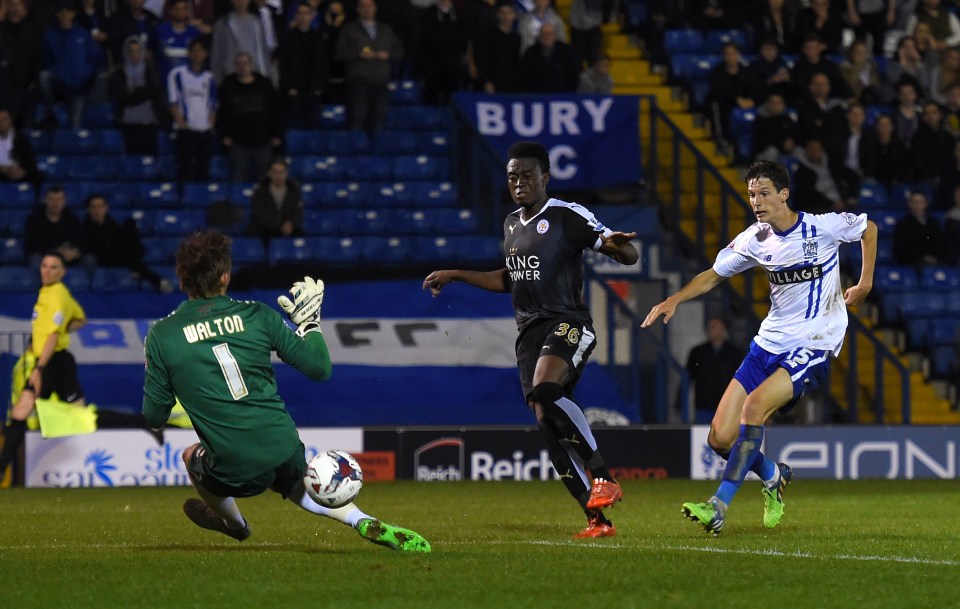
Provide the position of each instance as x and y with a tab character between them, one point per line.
559	168
875	459
440	473
483	466
533	119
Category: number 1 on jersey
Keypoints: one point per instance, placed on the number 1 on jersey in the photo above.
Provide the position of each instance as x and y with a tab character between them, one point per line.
231	371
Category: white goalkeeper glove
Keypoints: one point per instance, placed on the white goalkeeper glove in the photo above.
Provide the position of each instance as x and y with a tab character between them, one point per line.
304	309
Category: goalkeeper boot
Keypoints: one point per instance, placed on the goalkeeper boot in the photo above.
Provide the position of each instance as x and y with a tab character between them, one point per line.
203	516
597	526
773	497
393	537
709	515
604	494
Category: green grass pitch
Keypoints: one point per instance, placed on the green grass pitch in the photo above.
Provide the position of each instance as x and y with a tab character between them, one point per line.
841	544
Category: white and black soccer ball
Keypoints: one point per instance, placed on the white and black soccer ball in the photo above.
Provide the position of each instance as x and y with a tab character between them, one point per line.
333	478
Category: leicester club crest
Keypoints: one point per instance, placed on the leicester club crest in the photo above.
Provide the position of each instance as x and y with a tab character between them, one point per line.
543	226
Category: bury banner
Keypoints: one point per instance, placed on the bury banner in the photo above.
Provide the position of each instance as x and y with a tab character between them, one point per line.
593	140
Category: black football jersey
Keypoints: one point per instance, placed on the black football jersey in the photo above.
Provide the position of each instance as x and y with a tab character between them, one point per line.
544	258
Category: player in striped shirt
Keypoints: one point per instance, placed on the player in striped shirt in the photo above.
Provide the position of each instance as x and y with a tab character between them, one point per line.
805	326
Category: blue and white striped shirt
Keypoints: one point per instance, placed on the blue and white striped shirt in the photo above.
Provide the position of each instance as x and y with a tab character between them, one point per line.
806	300
195	93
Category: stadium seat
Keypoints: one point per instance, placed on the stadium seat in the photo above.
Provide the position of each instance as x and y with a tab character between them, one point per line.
290	249
367	222
682	40
93	167
917	333
342	193
421	167
77	280
41	141
52	168
160	250
944	331
70	141
411	222
202	194
140	169
333	116
396	142
681	66
318	168
884	250
60	117
374	167
11	251
873	195
892	279
901	192
394	250
382	194
433	143
240	193
302	141
434	194
742	121
886	221
328	221
219	168
19	279
944	361
164	143
157	195
715	39
111	142
873	113
405	92
345	143
114	279
939	279
477	248
337	250
13	221
451	221
418	117
433	249
17	194
248	250
179	222
97	115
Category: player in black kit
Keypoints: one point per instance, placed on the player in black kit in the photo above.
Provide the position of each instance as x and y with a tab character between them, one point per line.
543	245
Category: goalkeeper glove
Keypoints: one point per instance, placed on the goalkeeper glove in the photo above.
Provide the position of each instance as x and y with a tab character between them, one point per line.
304	309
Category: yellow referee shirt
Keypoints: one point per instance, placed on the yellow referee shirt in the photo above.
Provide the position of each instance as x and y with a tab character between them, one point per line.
54	311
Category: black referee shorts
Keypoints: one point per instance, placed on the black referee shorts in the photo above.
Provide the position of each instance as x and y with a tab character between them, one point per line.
571	340
60	375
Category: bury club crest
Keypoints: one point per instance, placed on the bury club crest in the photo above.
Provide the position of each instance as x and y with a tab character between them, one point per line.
809	248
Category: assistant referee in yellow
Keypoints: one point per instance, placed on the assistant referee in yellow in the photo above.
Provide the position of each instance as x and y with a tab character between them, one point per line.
55	315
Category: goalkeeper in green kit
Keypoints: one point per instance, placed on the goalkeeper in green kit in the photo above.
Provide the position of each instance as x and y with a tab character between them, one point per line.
213	353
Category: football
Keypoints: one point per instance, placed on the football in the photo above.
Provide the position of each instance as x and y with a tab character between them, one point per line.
333	478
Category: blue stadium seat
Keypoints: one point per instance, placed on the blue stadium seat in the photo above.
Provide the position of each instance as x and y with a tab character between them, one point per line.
140	169
333	116
917	333
953	303
337	250
886	221
290	249
97	115
157	195
318	168
342	193
434	249
179	222
248	250
345	142
17	194
367	222
59	115
939	279
715	39
389	251
160	250
376	167
328	221
311	195
383	194
477	248
901	192
18	279
435	143
202	194
70	141
884	250
396	142
240	193
892	279
219	168
916	305
451	221
77	280
121	195
421	167
303	141
93	167
164	143
683	40
434	194
13	221
873	113
51	166
114	279
111	142
412	221
944	331
143	219
41	141
742	121
11	251
420	118
873	195
405	92
681	64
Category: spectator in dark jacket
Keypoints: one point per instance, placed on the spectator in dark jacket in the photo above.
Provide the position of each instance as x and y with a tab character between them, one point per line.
917	237
549	66
136	90
497	53
71	59
884	157
769	74
819	114
931	146
20	38
303	69
132	20
817	19
52	227
248	121
730	87
442	51
774	131
812	61
276	208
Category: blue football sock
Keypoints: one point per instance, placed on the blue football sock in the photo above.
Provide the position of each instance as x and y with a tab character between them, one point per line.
765	468
742	456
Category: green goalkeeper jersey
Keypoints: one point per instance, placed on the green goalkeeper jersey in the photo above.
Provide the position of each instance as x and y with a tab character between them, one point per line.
214	355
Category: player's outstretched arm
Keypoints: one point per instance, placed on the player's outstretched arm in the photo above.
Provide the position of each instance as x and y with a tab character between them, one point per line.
304	309
698	286
617	245
494	281
868	245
